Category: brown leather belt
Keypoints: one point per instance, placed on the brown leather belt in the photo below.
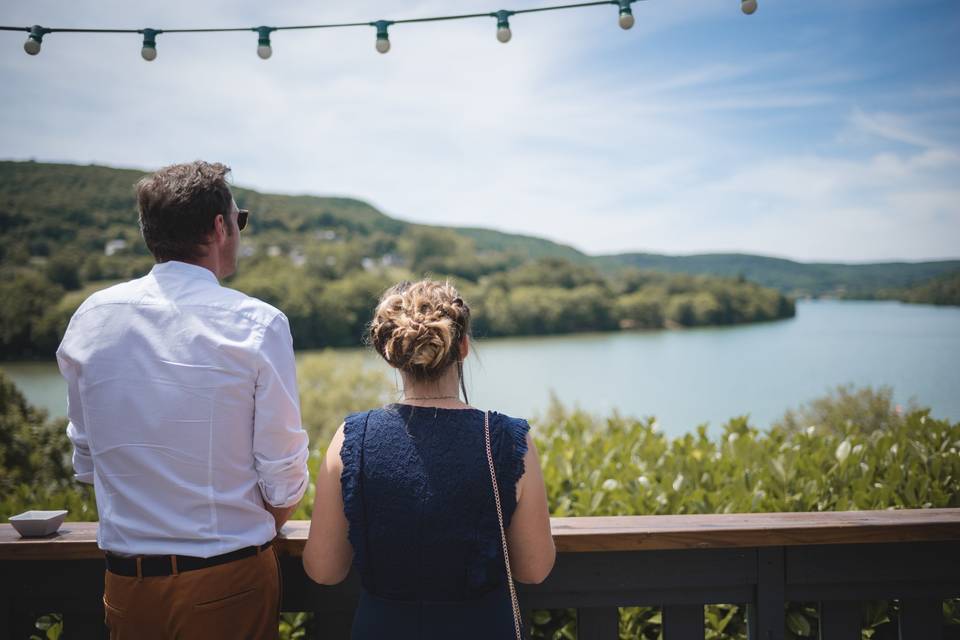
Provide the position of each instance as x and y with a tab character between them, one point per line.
153	566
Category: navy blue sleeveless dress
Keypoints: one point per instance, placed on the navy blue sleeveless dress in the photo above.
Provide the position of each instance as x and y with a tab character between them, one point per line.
423	523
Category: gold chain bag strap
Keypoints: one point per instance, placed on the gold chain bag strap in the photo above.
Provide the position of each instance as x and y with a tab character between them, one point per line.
503	536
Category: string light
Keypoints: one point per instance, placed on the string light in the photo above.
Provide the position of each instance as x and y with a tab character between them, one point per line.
264	51
503	25
383	38
626	14
35	39
149	50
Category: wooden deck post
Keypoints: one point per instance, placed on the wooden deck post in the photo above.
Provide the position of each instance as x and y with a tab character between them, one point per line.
767	618
683	622
598	623
921	619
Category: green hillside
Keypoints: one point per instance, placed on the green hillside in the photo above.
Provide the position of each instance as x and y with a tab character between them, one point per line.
530	246
795	278
43	206
69	230
51	208
944	290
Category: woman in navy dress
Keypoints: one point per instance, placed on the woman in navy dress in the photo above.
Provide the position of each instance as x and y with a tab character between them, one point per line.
405	493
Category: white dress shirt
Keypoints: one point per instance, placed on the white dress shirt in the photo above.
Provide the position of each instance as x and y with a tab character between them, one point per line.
184	413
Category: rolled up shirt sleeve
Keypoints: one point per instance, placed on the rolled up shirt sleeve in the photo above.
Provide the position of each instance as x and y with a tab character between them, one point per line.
76	430
279	442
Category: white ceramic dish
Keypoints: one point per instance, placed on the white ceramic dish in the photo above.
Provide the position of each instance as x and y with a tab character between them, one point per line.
37	523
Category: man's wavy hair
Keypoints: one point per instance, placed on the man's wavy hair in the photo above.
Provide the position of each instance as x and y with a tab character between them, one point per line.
178	206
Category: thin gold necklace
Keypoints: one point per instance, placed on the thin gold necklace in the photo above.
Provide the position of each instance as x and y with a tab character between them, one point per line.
457	397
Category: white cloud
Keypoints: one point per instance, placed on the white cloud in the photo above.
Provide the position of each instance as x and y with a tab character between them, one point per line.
890	127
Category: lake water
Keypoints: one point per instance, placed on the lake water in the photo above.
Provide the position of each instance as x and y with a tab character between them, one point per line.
696	376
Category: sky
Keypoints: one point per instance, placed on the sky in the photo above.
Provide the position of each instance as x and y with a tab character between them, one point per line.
815	130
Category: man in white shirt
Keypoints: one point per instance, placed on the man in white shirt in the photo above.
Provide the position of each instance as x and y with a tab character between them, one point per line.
184	414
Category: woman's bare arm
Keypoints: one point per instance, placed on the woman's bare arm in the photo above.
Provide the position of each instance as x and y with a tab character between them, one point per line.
529	539
327	556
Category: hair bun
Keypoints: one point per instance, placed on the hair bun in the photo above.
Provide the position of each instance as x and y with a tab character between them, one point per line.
417	327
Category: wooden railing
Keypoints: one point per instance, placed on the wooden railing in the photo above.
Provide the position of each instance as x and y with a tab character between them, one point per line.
679	563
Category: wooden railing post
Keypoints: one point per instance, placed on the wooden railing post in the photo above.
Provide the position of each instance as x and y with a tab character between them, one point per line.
332	625
526	614
921	619
598	623
6	608
333	619
840	620
84	625
766	618
683	622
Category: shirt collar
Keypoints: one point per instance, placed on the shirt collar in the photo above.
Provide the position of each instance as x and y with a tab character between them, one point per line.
184	270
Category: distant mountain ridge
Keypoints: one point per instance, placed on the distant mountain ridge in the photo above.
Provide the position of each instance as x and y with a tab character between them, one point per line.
44	200
790	276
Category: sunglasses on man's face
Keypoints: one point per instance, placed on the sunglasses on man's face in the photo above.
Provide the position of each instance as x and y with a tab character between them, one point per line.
242	218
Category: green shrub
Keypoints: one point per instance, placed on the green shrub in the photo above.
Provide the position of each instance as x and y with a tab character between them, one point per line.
854	451
35	468
334	384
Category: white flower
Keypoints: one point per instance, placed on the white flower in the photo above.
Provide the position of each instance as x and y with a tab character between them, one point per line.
643	481
733	437
610	485
678	482
843	451
758	497
811	430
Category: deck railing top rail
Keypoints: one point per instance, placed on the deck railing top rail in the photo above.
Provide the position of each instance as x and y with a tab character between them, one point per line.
78	540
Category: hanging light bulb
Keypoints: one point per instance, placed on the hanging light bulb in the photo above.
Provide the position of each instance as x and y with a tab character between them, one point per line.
626	14
748	6
149	50
383	38
503	25
32	45
35	39
263	42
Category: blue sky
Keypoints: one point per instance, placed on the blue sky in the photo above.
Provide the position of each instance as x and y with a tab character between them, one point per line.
813	130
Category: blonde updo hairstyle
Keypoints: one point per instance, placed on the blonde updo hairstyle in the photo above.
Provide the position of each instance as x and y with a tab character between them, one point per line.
418	327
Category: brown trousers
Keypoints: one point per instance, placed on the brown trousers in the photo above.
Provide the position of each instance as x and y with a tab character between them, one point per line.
240	599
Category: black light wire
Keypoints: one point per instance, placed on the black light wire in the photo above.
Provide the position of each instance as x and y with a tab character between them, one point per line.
462	16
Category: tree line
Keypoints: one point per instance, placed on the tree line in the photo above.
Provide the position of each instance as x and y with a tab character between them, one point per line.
944	290
68	231
329	303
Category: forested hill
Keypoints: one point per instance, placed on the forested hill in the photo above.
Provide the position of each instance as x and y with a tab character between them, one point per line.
43	204
533	247
70	230
797	278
